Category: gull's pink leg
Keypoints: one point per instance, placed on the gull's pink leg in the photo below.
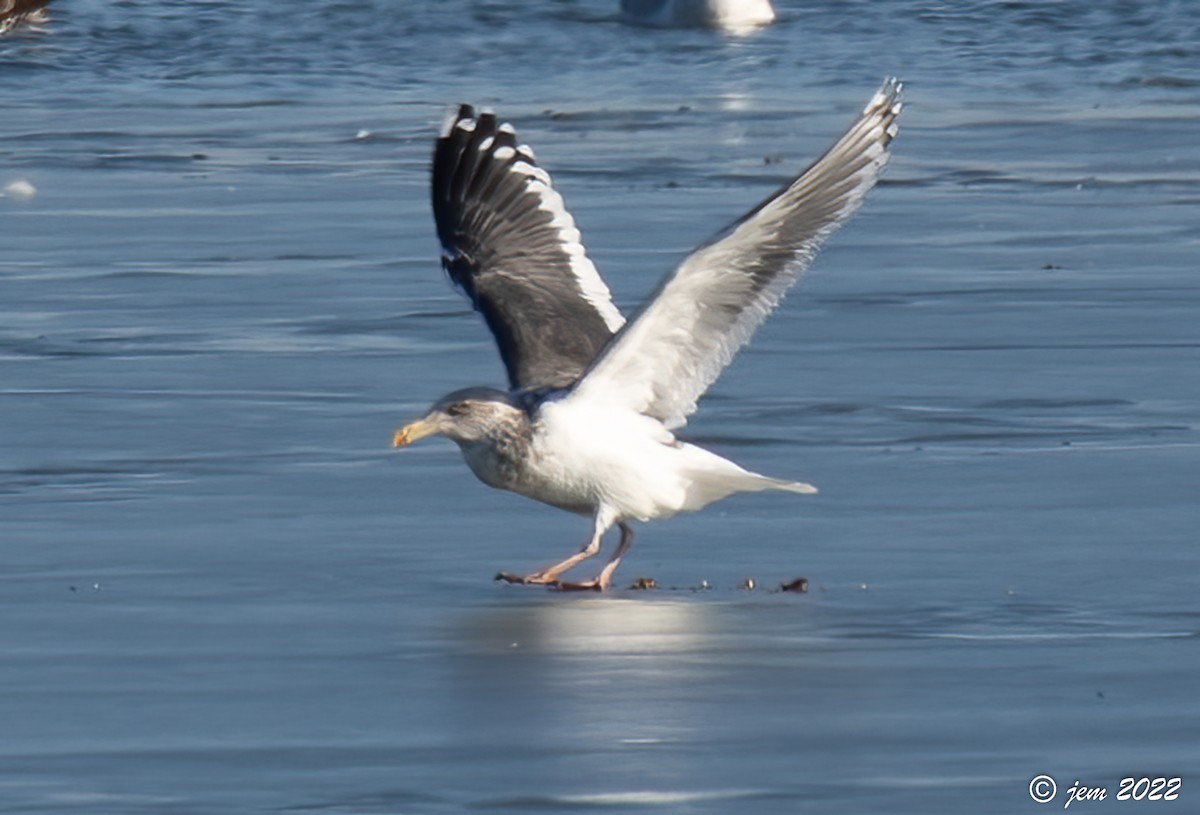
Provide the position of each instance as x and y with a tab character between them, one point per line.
549	576
603	580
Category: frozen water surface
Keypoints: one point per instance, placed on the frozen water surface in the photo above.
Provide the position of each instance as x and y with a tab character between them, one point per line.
221	591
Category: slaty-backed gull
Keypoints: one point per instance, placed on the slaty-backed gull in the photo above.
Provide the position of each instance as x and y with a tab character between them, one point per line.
587	422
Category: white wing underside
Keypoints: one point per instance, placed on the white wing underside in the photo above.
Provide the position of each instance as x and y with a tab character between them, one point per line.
666	357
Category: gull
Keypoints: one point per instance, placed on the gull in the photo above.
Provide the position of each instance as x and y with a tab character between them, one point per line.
587	422
727	14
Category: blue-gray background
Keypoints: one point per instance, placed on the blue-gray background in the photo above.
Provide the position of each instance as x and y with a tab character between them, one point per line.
221	592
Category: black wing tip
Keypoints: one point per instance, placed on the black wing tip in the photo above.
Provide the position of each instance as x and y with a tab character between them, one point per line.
467	121
456	121
468	125
472	153
469	142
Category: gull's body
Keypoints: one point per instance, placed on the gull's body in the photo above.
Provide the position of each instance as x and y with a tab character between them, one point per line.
587	424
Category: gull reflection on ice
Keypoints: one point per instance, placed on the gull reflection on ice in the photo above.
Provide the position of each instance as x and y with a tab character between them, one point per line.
597	627
609	669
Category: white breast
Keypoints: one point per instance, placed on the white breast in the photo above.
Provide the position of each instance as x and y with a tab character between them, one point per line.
616	458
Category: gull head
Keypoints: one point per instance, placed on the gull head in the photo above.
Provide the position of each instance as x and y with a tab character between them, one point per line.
467	416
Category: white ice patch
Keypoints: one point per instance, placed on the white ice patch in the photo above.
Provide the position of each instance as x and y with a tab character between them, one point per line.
646	798
21	190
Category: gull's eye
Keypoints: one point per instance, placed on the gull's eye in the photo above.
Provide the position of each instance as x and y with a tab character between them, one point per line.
457	409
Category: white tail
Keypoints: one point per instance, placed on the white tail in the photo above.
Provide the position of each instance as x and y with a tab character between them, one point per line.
789	486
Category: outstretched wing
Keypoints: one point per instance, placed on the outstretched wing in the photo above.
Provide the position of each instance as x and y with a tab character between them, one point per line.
510	245
685	335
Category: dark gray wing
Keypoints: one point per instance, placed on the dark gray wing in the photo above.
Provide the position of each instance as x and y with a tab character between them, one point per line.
510	245
681	340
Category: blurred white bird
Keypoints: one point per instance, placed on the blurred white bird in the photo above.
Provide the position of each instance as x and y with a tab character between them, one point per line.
726	14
